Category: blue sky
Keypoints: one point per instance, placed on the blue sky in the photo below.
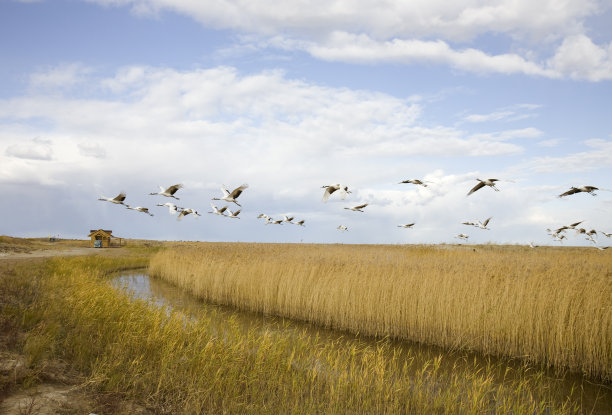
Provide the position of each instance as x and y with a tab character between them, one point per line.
102	96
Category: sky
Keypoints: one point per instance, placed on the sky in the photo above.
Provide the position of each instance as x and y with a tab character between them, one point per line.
99	97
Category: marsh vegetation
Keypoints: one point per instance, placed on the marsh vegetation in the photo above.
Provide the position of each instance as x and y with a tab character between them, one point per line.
171	362
550	306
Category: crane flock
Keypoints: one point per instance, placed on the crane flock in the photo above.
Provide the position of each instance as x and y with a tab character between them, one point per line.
559	235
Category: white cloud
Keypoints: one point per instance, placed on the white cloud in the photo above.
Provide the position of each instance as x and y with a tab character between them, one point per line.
264	111
91	149
348	47
457	20
420	31
511	113
579	58
506	135
553	142
599	156
35	149
494	116
61	76
284	137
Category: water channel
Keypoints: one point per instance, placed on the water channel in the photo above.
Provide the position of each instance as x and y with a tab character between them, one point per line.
595	398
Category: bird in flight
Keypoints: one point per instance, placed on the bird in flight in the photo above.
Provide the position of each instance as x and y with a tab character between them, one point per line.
140	209
332	188
462	236
563	228
415	181
168	192
483	225
357	208
342	228
478	224
233	215
586	189
233	195
483	183
172	208
118	200
217	211
300	223
406	226
186	212
559	238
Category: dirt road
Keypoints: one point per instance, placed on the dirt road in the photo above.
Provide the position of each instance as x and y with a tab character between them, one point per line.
45	253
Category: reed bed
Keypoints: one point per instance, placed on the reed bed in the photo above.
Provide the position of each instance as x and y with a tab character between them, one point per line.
175	364
551	306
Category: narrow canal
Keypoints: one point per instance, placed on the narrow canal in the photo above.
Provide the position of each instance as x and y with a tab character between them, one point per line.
595	398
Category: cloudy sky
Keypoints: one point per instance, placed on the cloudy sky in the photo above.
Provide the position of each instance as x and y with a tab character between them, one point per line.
103	96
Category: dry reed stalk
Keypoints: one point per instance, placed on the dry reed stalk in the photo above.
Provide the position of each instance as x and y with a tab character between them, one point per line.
178	365
550	306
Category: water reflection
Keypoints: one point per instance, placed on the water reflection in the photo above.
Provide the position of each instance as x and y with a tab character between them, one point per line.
595	399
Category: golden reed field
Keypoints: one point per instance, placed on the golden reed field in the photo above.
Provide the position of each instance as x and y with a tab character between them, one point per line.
550	306
66	328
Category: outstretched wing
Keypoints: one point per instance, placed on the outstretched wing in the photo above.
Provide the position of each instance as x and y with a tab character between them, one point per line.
571	191
328	191
226	193
479	186
486	222
120	197
173	189
238	191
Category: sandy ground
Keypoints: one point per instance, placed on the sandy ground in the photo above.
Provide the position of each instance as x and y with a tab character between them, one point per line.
38	254
45	253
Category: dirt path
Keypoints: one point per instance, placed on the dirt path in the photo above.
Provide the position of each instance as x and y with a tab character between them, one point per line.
40	254
46	253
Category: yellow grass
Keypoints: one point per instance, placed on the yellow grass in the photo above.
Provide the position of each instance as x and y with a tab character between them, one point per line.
175	364
551	306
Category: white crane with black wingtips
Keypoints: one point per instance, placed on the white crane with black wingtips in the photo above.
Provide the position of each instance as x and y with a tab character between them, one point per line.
330	189
233	195
357	208
169	191
140	209
118	200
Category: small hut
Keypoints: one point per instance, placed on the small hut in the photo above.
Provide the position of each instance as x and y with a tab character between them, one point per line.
100	238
